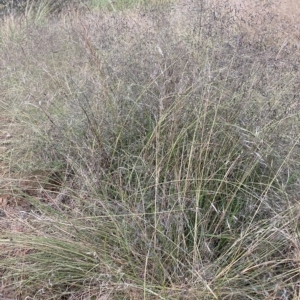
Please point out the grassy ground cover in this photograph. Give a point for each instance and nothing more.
(150, 152)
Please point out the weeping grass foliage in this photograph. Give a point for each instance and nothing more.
(159, 151)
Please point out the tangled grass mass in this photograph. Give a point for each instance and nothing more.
(150, 150)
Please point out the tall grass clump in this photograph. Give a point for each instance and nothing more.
(158, 149)
(35, 9)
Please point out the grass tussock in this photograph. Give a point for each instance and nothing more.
(157, 152)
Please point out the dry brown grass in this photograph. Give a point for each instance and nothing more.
(154, 153)
(281, 17)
